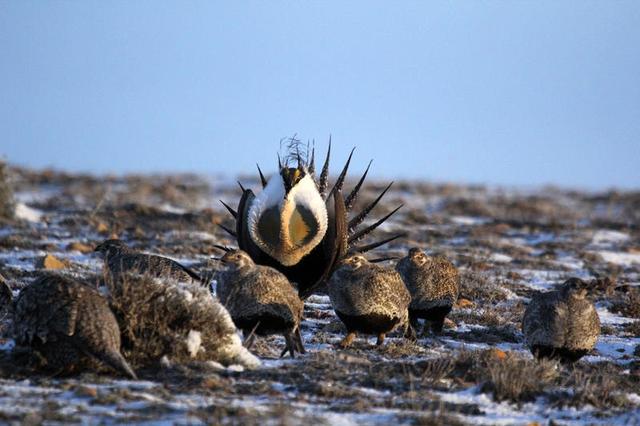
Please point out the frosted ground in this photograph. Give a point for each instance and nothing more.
(507, 243)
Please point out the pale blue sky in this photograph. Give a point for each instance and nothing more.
(509, 92)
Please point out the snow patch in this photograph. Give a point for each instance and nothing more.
(194, 342)
(468, 220)
(166, 207)
(620, 258)
(605, 236)
(25, 212)
(609, 318)
(196, 235)
(615, 348)
(500, 258)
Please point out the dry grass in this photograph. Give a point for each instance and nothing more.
(518, 379)
(600, 390)
(632, 328)
(505, 375)
(156, 319)
(477, 286)
(628, 304)
(7, 204)
(436, 370)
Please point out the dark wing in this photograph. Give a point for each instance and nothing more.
(333, 246)
(44, 308)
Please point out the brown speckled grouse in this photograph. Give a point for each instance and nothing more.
(562, 323)
(119, 258)
(368, 298)
(67, 322)
(433, 283)
(260, 298)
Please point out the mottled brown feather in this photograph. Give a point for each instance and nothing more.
(255, 293)
(360, 289)
(121, 259)
(432, 281)
(66, 321)
(563, 320)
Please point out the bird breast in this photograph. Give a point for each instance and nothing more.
(288, 225)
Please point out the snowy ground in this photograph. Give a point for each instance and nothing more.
(507, 244)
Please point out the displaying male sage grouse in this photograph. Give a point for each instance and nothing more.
(295, 227)
(260, 299)
(68, 323)
(369, 299)
(561, 324)
(119, 258)
(433, 283)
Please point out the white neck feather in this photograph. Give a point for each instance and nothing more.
(304, 193)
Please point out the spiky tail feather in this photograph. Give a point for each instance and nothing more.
(116, 361)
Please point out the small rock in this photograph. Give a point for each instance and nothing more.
(501, 228)
(78, 246)
(497, 354)
(165, 362)
(102, 228)
(464, 303)
(514, 276)
(448, 323)
(212, 383)
(89, 391)
(50, 262)
(235, 368)
(346, 358)
(214, 365)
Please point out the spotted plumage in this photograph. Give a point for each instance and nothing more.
(561, 324)
(260, 299)
(119, 258)
(433, 283)
(68, 323)
(368, 298)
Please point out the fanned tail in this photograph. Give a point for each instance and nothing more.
(348, 202)
(357, 220)
(357, 236)
(369, 247)
(324, 174)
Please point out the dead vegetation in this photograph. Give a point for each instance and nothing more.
(518, 379)
(596, 389)
(168, 319)
(477, 286)
(7, 203)
(628, 304)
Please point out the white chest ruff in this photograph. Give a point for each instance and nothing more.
(273, 215)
